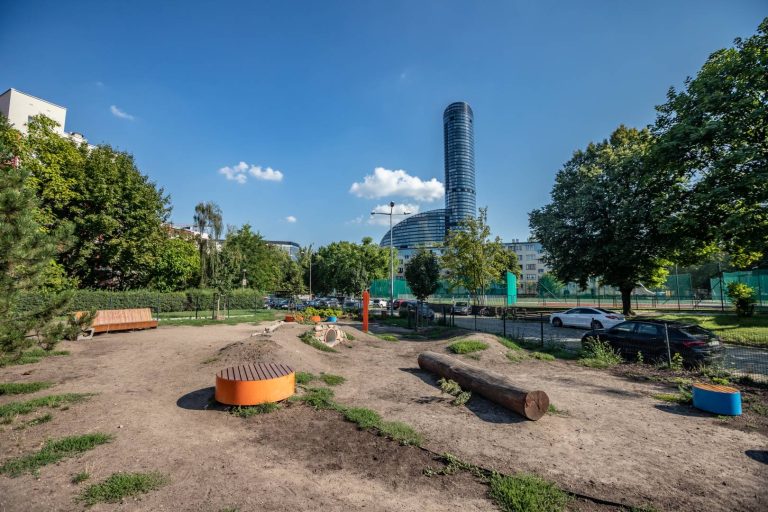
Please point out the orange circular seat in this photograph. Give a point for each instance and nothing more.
(255, 383)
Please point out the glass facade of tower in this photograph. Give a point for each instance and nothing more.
(422, 229)
(430, 228)
(459, 140)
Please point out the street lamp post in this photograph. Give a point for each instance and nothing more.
(391, 256)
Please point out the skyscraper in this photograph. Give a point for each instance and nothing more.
(430, 228)
(459, 143)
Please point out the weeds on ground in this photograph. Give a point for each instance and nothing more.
(12, 409)
(310, 340)
(349, 335)
(121, 485)
(80, 477)
(556, 350)
(677, 362)
(319, 398)
(54, 451)
(643, 508)
(682, 397)
(467, 346)
(363, 417)
(758, 408)
(452, 388)
(388, 337)
(332, 380)
(524, 491)
(552, 409)
(246, 411)
(516, 356)
(598, 354)
(543, 356)
(30, 356)
(304, 378)
(401, 432)
(35, 421)
(19, 388)
(211, 360)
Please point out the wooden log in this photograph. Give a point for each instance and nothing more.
(493, 386)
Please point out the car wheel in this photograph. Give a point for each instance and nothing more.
(557, 322)
(596, 325)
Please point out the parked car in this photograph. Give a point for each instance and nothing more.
(588, 318)
(460, 308)
(378, 303)
(396, 303)
(352, 304)
(408, 307)
(695, 344)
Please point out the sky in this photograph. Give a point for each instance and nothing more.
(301, 117)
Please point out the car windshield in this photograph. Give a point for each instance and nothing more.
(696, 331)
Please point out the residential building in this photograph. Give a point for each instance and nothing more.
(530, 256)
(20, 107)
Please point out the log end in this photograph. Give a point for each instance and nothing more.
(536, 405)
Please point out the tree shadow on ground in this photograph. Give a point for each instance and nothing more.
(479, 406)
(758, 455)
(201, 400)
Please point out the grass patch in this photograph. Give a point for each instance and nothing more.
(598, 354)
(683, 397)
(121, 485)
(467, 346)
(304, 377)
(543, 356)
(452, 388)
(53, 451)
(401, 432)
(516, 356)
(245, 316)
(80, 477)
(526, 492)
(30, 356)
(364, 418)
(12, 409)
(349, 335)
(247, 411)
(310, 340)
(19, 388)
(388, 337)
(319, 398)
(751, 330)
(552, 409)
(36, 421)
(758, 408)
(332, 380)
(211, 360)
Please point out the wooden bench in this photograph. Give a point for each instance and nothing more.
(110, 320)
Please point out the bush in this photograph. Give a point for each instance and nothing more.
(322, 312)
(743, 297)
(598, 354)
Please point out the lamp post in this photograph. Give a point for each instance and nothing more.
(391, 256)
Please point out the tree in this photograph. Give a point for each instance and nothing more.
(714, 135)
(177, 265)
(550, 286)
(422, 273)
(264, 265)
(26, 252)
(608, 214)
(472, 260)
(209, 224)
(743, 298)
(348, 268)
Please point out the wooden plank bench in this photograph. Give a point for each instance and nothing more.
(110, 320)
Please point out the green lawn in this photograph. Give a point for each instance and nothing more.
(236, 316)
(747, 331)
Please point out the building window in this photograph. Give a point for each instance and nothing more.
(530, 266)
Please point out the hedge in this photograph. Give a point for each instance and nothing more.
(84, 300)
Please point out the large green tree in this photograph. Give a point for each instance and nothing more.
(177, 265)
(422, 272)
(348, 268)
(264, 264)
(26, 253)
(608, 216)
(714, 135)
(209, 223)
(474, 260)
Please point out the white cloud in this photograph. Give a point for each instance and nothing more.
(384, 182)
(240, 172)
(356, 220)
(290, 219)
(398, 210)
(120, 113)
(266, 174)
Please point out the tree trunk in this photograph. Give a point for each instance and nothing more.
(626, 299)
(493, 386)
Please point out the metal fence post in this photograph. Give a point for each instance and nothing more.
(541, 321)
(475, 318)
(666, 337)
(504, 322)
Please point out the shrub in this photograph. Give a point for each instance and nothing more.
(743, 298)
(467, 346)
(598, 354)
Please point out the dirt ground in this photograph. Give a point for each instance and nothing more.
(154, 388)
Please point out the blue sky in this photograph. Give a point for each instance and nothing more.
(314, 96)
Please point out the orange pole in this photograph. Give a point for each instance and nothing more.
(366, 300)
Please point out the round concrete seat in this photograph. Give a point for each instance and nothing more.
(255, 383)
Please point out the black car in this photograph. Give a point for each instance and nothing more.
(695, 344)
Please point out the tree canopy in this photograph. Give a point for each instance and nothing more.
(348, 268)
(606, 217)
(422, 272)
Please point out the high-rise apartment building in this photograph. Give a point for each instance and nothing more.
(428, 229)
(20, 107)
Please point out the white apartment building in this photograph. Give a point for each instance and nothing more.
(20, 107)
(530, 255)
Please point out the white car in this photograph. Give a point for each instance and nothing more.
(588, 318)
(378, 303)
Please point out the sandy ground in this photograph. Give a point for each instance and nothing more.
(615, 442)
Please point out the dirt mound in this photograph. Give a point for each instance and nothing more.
(253, 349)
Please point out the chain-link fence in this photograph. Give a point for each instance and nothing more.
(534, 328)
